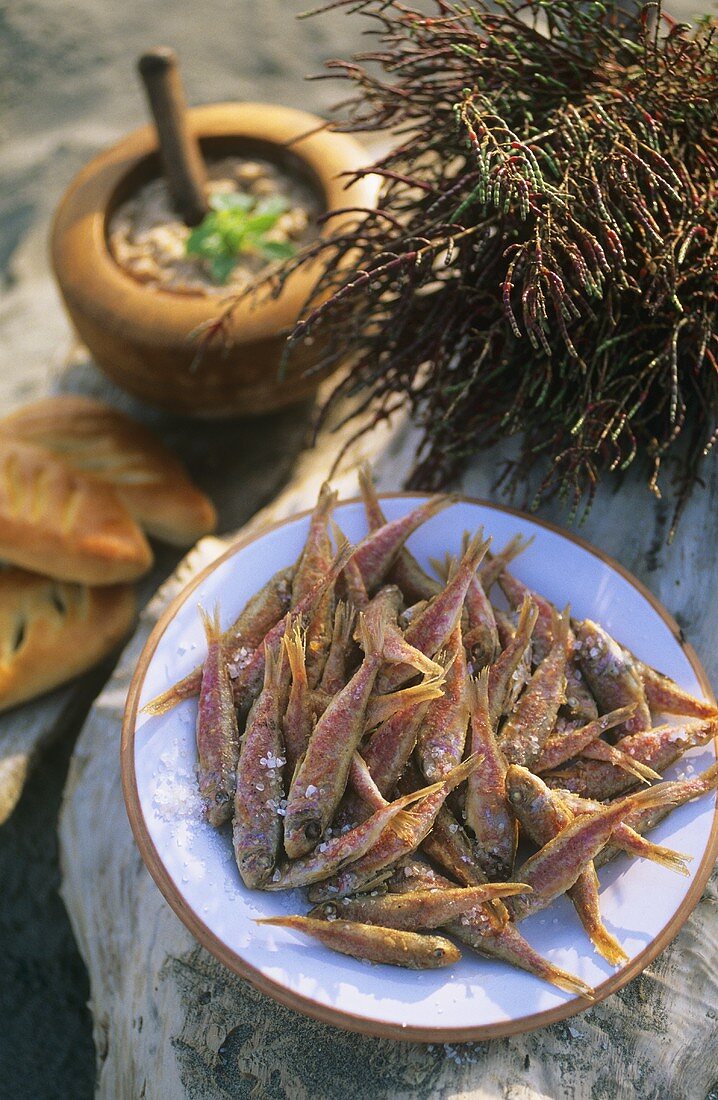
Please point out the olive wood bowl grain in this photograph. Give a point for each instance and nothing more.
(144, 338)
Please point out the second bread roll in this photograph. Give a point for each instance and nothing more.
(103, 443)
(55, 521)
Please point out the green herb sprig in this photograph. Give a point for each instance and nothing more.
(238, 224)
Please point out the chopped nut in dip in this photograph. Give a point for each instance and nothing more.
(150, 241)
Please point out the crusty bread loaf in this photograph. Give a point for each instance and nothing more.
(51, 631)
(56, 521)
(101, 442)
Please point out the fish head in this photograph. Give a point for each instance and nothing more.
(306, 823)
(217, 799)
(524, 789)
(256, 865)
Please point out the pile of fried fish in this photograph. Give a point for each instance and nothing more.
(383, 737)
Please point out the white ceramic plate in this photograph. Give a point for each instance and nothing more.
(643, 904)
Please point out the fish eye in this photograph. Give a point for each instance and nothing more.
(438, 952)
(221, 798)
(259, 860)
(516, 796)
(312, 830)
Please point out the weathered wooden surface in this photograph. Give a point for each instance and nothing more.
(171, 1021)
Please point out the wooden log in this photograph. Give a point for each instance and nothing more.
(171, 1021)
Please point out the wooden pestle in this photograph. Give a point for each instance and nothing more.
(181, 157)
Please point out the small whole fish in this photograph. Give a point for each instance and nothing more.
(373, 944)
(442, 736)
(316, 556)
(430, 630)
(487, 811)
(406, 572)
(262, 612)
(217, 733)
(477, 930)
(611, 675)
(313, 565)
(257, 829)
(511, 670)
(339, 851)
(656, 748)
(555, 868)
(298, 721)
(398, 839)
(377, 552)
(321, 776)
(543, 814)
(564, 746)
(482, 635)
(421, 909)
(531, 722)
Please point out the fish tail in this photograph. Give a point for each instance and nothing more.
(500, 561)
(282, 922)
(502, 889)
(478, 692)
(616, 717)
(294, 642)
(562, 627)
(404, 824)
(345, 550)
(653, 798)
(273, 663)
(442, 566)
(416, 796)
(431, 687)
(461, 772)
(607, 945)
(212, 629)
(184, 689)
(514, 547)
(476, 550)
(326, 500)
(370, 634)
(436, 504)
(343, 623)
(370, 498)
(339, 537)
(600, 750)
(527, 618)
(666, 857)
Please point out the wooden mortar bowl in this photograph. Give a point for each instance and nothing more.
(141, 336)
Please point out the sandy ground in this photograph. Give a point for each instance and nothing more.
(67, 88)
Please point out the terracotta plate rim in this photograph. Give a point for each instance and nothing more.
(337, 1017)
